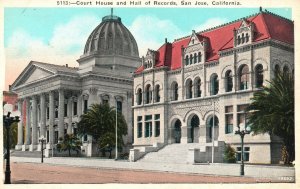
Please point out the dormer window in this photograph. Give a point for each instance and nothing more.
(194, 52)
(244, 34)
(149, 60)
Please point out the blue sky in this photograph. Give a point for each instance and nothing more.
(58, 35)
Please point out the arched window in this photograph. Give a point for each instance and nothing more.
(199, 57)
(139, 96)
(239, 40)
(195, 58)
(247, 37)
(228, 81)
(244, 77)
(259, 76)
(189, 89)
(243, 38)
(191, 59)
(214, 85)
(277, 69)
(286, 70)
(157, 93)
(174, 89)
(148, 94)
(197, 87)
(186, 60)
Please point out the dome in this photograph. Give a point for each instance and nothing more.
(111, 37)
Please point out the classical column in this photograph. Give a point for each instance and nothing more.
(79, 106)
(92, 96)
(70, 101)
(51, 117)
(20, 124)
(27, 131)
(43, 115)
(34, 121)
(61, 112)
(184, 134)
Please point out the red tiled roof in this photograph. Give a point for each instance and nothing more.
(267, 25)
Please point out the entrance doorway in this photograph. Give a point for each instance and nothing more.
(213, 124)
(177, 131)
(194, 128)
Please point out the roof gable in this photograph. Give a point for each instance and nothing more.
(30, 74)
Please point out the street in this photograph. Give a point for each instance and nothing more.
(36, 173)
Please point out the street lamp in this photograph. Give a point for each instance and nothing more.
(42, 139)
(242, 130)
(9, 117)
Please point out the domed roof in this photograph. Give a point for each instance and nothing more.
(111, 37)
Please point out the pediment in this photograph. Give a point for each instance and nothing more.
(244, 24)
(30, 74)
(37, 74)
(194, 40)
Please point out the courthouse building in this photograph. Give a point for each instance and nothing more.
(57, 95)
(207, 79)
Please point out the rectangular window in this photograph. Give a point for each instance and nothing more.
(56, 112)
(47, 136)
(148, 125)
(119, 106)
(66, 110)
(55, 137)
(228, 119)
(74, 108)
(75, 131)
(85, 106)
(65, 131)
(246, 153)
(157, 125)
(85, 138)
(241, 115)
(139, 126)
(47, 112)
(229, 124)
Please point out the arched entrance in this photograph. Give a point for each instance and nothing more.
(209, 127)
(177, 131)
(193, 129)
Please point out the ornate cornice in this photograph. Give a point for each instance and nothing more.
(265, 43)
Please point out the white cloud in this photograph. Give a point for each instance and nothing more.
(150, 32)
(65, 46)
(212, 22)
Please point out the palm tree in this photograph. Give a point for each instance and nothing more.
(70, 142)
(99, 122)
(272, 111)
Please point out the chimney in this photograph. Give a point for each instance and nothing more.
(166, 40)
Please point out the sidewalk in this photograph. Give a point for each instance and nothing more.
(258, 171)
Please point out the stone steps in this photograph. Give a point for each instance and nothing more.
(26, 153)
(173, 153)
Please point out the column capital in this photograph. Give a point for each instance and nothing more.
(93, 90)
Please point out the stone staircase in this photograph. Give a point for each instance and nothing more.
(36, 154)
(172, 153)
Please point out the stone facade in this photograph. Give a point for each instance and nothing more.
(56, 96)
(176, 102)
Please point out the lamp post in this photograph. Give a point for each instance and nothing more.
(9, 117)
(242, 131)
(116, 155)
(42, 140)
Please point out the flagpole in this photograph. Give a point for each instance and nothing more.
(213, 138)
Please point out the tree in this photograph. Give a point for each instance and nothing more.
(272, 111)
(229, 154)
(13, 135)
(99, 122)
(70, 142)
